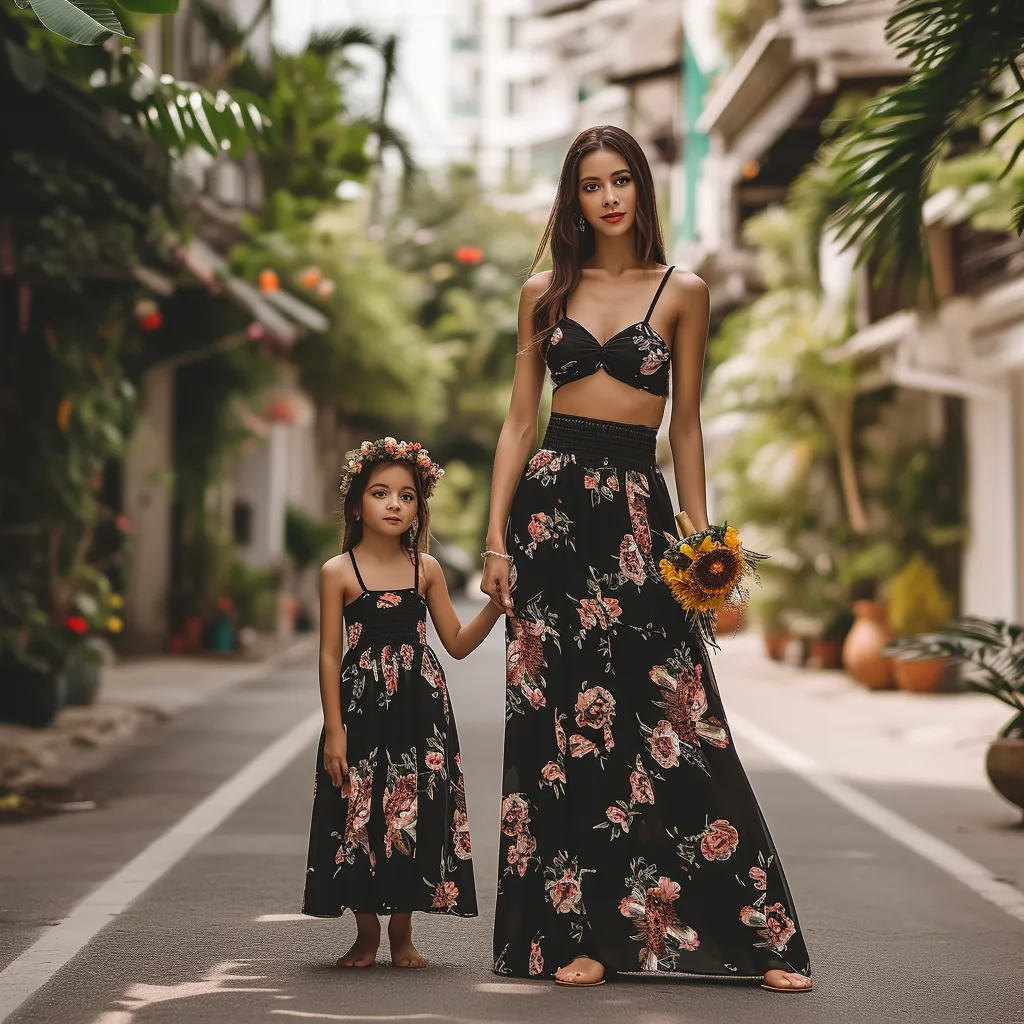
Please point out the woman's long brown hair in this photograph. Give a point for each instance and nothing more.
(571, 247)
(416, 538)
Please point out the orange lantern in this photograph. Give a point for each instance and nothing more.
(268, 281)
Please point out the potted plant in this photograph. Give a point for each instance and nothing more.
(992, 652)
(826, 649)
(99, 607)
(770, 611)
(918, 604)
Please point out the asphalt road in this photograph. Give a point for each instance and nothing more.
(211, 933)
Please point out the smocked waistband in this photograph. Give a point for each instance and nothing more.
(602, 441)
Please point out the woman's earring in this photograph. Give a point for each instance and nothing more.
(583, 225)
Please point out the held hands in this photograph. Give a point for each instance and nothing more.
(336, 757)
(496, 579)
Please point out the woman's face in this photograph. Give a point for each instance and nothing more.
(389, 502)
(606, 192)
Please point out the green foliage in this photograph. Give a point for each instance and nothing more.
(84, 21)
(253, 593)
(374, 365)
(958, 51)
(308, 540)
(917, 601)
(992, 650)
(738, 21)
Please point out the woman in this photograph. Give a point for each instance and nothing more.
(630, 838)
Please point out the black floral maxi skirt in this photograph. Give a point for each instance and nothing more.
(629, 831)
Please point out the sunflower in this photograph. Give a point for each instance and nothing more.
(684, 588)
(717, 569)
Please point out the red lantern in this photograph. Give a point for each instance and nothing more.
(268, 281)
(469, 255)
(76, 624)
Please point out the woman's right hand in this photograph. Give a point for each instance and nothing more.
(496, 582)
(336, 756)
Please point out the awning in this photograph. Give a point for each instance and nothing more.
(282, 316)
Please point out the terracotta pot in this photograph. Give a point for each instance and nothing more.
(862, 650)
(1005, 766)
(728, 621)
(194, 627)
(919, 676)
(823, 653)
(775, 644)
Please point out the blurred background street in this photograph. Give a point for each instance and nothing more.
(237, 237)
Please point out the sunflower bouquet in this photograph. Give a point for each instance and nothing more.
(705, 572)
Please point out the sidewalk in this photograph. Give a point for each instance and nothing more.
(864, 736)
(135, 696)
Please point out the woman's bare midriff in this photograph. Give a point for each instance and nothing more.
(602, 397)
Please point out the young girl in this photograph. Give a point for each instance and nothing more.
(389, 832)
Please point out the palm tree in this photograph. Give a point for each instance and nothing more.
(961, 53)
(386, 136)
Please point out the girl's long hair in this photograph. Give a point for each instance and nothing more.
(571, 247)
(416, 538)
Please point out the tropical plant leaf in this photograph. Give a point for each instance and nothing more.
(85, 21)
(956, 50)
(149, 6)
(327, 44)
(219, 25)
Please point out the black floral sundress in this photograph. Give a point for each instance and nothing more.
(394, 838)
(629, 831)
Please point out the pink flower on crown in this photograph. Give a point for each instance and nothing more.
(366, 447)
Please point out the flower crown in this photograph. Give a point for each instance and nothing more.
(387, 449)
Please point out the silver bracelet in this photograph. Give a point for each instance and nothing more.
(500, 554)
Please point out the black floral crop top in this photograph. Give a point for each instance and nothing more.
(637, 355)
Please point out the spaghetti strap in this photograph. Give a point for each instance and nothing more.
(657, 294)
(352, 555)
(416, 563)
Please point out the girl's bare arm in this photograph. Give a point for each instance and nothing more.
(517, 438)
(684, 430)
(458, 640)
(332, 597)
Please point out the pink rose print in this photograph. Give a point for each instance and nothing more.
(460, 826)
(388, 600)
(772, 924)
(720, 842)
(590, 482)
(556, 336)
(613, 482)
(421, 631)
(580, 746)
(759, 878)
(434, 760)
(566, 893)
(407, 655)
(664, 744)
(515, 814)
(536, 958)
(446, 895)
(519, 854)
(640, 784)
(616, 815)
(354, 632)
(553, 772)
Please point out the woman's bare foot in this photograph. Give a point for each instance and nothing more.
(787, 981)
(364, 950)
(403, 952)
(582, 971)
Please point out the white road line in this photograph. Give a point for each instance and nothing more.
(284, 917)
(448, 1019)
(946, 858)
(41, 961)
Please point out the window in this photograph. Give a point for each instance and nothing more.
(242, 523)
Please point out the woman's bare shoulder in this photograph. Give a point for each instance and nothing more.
(337, 569)
(536, 285)
(687, 293)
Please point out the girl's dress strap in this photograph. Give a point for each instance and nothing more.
(416, 563)
(352, 555)
(657, 294)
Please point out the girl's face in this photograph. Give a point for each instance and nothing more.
(389, 502)
(607, 194)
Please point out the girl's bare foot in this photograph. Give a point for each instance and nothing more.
(403, 952)
(786, 981)
(582, 971)
(364, 950)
